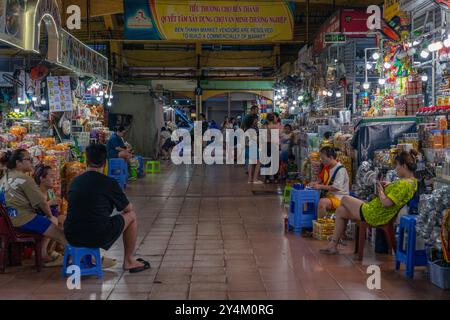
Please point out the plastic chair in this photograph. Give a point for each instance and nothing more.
(298, 217)
(118, 170)
(82, 257)
(153, 167)
(12, 236)
(360, 236)
(410, 257)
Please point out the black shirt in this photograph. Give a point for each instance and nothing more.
(92, 198)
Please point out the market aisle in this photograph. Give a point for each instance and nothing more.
(208, 236)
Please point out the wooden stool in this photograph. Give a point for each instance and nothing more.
(360, 236)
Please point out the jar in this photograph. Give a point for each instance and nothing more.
(438, 139)
(442, 123)
(447, 138)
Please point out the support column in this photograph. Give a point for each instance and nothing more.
(229, 104)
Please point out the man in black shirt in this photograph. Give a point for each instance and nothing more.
(92, 198)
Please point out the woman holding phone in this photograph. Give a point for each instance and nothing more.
(391, 198)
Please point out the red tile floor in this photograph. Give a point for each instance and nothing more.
(208, 236)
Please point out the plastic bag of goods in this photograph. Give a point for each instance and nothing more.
(25, 145)
(37, 152)
(72, 170)
(32, 137)
(47, 142)
(18, 131)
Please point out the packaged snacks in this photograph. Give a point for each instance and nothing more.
(18, 131)
(47, 142)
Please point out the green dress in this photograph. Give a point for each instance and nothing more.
(400, 192)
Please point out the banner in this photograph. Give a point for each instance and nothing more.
(80, 58)
(208, 21)
(59, 94)
(12, 13)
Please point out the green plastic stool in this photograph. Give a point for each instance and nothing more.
(152, 167)
(287, 194)
(133, 173)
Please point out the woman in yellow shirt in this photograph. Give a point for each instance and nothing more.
(390, 200)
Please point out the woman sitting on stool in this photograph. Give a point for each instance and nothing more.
(390, 200)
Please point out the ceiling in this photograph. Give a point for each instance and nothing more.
(164, 60)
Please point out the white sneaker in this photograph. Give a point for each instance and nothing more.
(258, 182)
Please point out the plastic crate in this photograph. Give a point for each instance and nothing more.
(439, 276)
(322, 230)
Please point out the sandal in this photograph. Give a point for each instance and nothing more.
(146, 265)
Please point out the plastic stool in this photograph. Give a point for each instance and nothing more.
(118, 170)
(86, 266)
(298, 217)
(287, 194)
(153, 167)
(410, 257)
(360, 236)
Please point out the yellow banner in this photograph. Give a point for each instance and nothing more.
(209, 21)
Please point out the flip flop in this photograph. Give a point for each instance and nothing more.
(142, 268)
(328, 252)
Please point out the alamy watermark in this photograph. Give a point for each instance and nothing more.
(251, 146)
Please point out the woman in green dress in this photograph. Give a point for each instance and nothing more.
(391, 198)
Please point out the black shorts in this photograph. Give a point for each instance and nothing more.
(361, 215)
(98, 239)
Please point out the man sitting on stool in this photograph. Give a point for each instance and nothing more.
(337, 183)
(117, 147)
(92, 198)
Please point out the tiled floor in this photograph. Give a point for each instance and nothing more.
(208, 236)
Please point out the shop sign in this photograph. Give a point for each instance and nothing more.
(334, 38)
(80, 58)
(12, 21)
(59, 94)
(208, 21)
(354, 21)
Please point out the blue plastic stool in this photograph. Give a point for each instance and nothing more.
(410, 257)
(298, 217)
(86, 266)
(141, 166)
(118, 170)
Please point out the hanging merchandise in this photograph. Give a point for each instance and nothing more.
(432, 208)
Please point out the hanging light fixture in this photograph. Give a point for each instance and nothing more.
(111, 96)
(376, 56)
(324, 92)
(109, 103)
(300, 98)
(101, 93)
(330, 93)
(366, 85)
(435, 46)
(106, 95)
(424, 77)
(34, 99)
(43, 101)
(98, 98)
(369, 66)
(387, 65)
(425, 54)
(381, 81)
(338, 94)
(294, 102)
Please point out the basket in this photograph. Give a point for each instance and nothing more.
(322, 229)
(439, 276)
